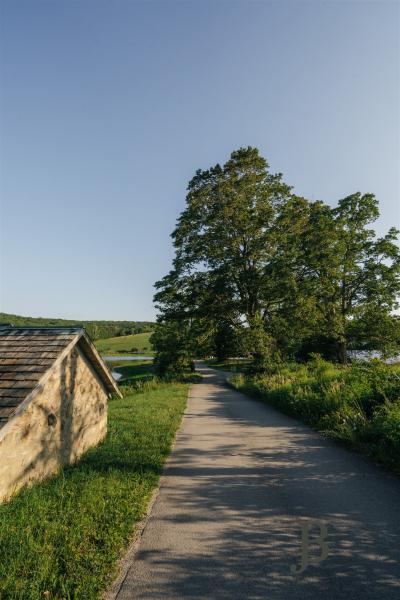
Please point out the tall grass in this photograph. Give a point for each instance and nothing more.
(357, 404)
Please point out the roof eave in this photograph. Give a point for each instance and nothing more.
(103, 371)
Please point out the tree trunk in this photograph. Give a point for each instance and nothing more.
(342, 351)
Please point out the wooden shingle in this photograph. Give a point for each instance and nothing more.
(27, 353)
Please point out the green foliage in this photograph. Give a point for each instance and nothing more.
(173, 349)
(265, 273)
(222, 241)
(359, 405)
(95, 329)
(384, 433)
(351, 274)
(375, 329)
(227, 341)
(62, 538)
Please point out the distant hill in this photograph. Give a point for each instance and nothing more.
(96, 329)
(126, 344)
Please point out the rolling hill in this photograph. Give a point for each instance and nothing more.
(126, 344)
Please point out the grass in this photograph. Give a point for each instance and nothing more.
(126, 344)
(358, 405)
(61, 538)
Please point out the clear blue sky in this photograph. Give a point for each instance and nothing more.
(108, 108)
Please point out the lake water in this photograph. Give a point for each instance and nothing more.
(369, 354)
(117, 376)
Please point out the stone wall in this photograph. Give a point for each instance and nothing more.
(65, 417)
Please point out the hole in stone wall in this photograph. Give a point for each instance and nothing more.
(51, 419)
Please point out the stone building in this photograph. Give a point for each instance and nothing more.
(54, 390)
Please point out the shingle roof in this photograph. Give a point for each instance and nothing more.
(27, 353)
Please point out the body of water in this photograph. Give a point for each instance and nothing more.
(369, 354)
(117, 376)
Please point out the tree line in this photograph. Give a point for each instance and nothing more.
(262, 272)
(95, 329)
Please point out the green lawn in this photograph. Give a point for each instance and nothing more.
(61, 538)
(125, 344)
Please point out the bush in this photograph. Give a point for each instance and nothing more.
(386, 423)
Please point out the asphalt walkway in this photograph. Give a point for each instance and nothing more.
(254, 505)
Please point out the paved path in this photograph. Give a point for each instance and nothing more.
(241, 481)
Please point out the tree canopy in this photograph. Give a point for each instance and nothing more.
(259, 271)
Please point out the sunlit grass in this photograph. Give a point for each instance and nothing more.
(61, 538)
(126, 344)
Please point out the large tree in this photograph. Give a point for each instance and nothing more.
(350, 273)
(227, 230)
(259, 270)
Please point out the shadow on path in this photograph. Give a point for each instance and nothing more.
(241, 481)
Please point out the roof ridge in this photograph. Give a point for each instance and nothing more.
(13, 330)
(11, 326)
